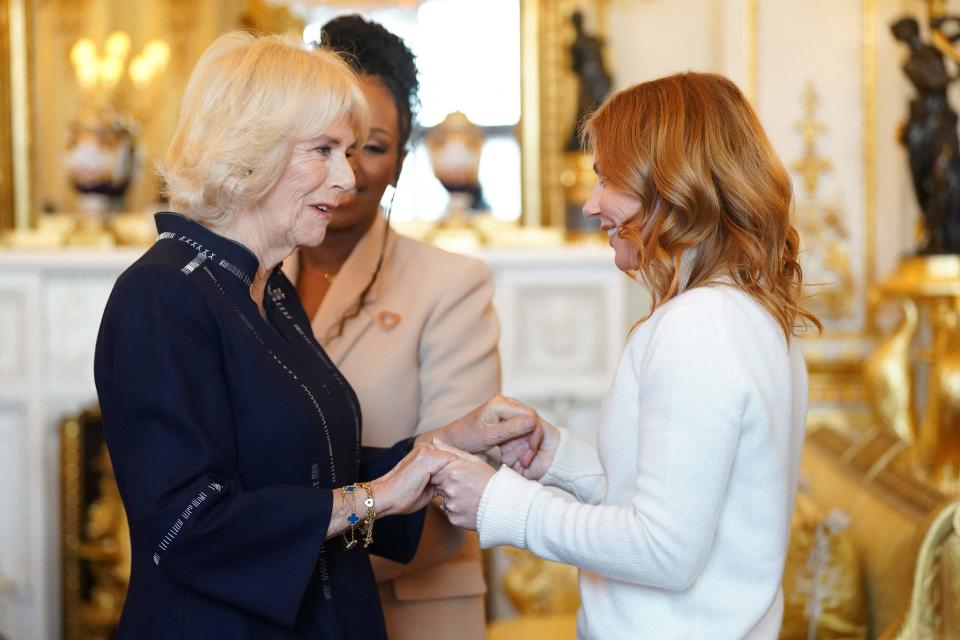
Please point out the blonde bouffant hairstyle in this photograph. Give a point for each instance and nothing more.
(694, 153)
(249, 99)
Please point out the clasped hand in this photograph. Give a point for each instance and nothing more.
(527, 445)
(442, 462)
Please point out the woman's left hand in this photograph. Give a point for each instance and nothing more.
(406, 487)
(460, 485)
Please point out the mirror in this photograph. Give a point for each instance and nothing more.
(112, 70)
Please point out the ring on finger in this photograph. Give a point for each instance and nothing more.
(443, 504)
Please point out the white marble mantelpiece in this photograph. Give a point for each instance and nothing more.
(564, 314)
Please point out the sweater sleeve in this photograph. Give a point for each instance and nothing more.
(459, 362)
(168, 422)
(658, 534)
(576, 469)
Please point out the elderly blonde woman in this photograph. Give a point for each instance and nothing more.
(235, 440)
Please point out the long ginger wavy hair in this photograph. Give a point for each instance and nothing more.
(694, 153)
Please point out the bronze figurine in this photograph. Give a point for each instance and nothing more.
(930, 136)
(592, 77)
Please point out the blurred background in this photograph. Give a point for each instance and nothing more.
(858, 97)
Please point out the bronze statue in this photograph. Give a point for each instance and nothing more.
(594, 80)
(930, 136)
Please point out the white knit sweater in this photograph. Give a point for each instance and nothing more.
(682, 510)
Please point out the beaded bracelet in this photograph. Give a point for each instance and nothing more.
(365, 523)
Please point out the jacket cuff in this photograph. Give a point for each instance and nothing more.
(574, 459)
(503, 510)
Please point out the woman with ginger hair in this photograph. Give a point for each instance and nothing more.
(683, 507)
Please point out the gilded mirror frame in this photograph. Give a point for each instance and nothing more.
(547, 95)
(15, 158)
(6, 143)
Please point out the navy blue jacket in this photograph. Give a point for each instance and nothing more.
(227, 433)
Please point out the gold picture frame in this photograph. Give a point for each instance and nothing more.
(15, 160)
(548, 102)
(12, 19)
(6, 143)
(549, 93)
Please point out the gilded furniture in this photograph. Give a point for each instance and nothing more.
(906, 533)
(543, 593)
(888, 377)
(95, 538)
(927, 290)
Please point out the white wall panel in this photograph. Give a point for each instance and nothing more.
(819, 42)
(14, 524)
(650, 39)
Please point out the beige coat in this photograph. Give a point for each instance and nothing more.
(422, 351)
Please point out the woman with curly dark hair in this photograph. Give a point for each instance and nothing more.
(422, 315)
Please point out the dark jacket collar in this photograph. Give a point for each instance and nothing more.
(229, 254)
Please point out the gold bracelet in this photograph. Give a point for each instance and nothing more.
(352, 519)
(367, 526)
(365, 523)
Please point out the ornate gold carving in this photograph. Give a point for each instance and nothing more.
(826, 259)
(887, 375)
(95, 533)
(924, 618)
(932, 283)
(938, 444)
(810, 166)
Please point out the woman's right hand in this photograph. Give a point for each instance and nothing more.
(532, 462)
(403, 489)
(497, 420)
(406, 488)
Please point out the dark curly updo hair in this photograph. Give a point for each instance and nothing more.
(372, 50)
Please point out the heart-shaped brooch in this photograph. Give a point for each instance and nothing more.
(388, 319)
